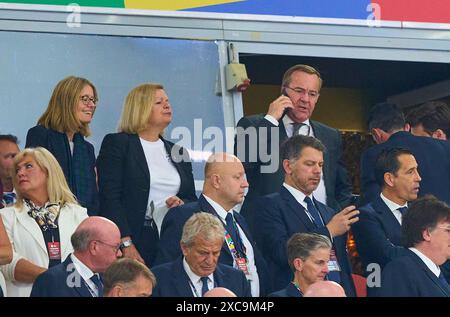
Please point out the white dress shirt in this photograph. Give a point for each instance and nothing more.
(393, 207)
(430, 264)
(196, 281)
(254, 278)
(300, 198)
(85, 274)
(320, 193)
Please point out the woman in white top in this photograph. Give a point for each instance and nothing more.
(5, 255)
(141, 175)
(41, 222)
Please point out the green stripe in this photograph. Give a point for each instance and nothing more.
(83, 3)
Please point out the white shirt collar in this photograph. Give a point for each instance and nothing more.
(195, 279)
(391, 205)
(288, 121)
(218, 208)
(84, 271)
(298, 195)
(430, 264)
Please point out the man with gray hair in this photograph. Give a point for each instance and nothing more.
(308, 257)
(198, 270)
(128, 278)
(96, 244)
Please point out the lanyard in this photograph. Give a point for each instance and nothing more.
(298, 288)
(195, 289)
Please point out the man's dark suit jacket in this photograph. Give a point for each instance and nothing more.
(173, 281)
(79, 167)
(377, 234)
(289, 291)
(124, 180)
(280, 216)
(408, 276)
(432, 156)
(172, 229)
(337, 182)
(54, 282)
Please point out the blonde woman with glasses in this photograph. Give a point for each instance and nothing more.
(62, 130)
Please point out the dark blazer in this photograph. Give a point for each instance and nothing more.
(280, 216)
(79, 167)
(54, 282)
(432, 156)
(289, 291)
(408, 276)
(173, 281)
(337, 182)
(172, 228)
(377, 234)
(124, 180)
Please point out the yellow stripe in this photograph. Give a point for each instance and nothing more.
(172, 5)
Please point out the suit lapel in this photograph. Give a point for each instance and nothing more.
(64, 233)
(318, 134)
(205, 206)
(74, 276)
(283, 134)
(324, 213)
(31, 226)
(136, 151)
(428, 272)
(168, 148)
(241, 222)
(181, 279)
(296, 209)
(392, 226)
(219, 277)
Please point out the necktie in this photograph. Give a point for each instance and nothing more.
(98, 283)
(297, 126)
(313, 212)
(205, 287)
(232, 230)
(9, 198)
(403, 210)
(444, 283)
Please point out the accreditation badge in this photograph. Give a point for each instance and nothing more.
(54, 250)
(242, 265)
(333, 264)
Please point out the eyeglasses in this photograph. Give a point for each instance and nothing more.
(114, 247)
(445, 228)
(312, 94)
(86, 99)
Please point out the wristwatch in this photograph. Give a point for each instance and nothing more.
(126, 243)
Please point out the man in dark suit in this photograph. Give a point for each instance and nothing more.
(308, 256)
(8, 150)
(378, 231)
(259, 137)
(388, 128)
(294, 209)
(198, 270)
(96, 244)
(425, 232)
(223, 189)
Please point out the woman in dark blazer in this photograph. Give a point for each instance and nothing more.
(141, 175)
(62, 130)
